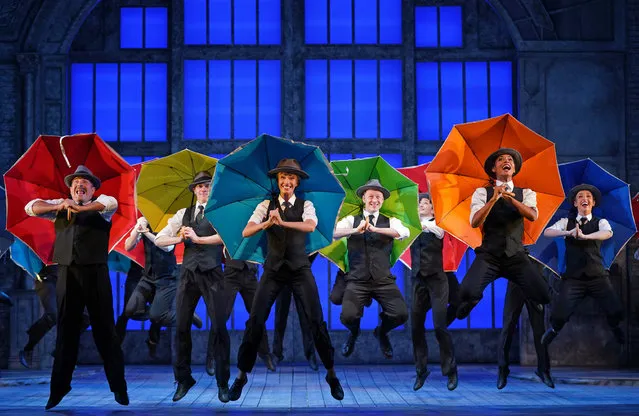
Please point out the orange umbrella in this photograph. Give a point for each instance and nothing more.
(458, 169)
(454, 249)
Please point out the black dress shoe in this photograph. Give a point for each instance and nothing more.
(420, 379)
(223, 393)
(197, 321)
(548, 337)
(349, 345)
(336, 388)
(153, 348)
(268, 361)
(183, 388)
(26, 358)
(312, 362)
(384, 343)
(502, 377)
(210, 366)
(545, 378)
(55, 398)
(235, 392)
(452, 380)
(121, 397)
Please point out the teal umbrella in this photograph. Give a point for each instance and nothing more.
(241, 182)
(118, 262)
(25, 258)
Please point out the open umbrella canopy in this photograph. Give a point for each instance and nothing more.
(401, 204)
(241, 182)
(454, 249)
(25, 258)
(615, 206)
(163, 185)
(5, 237)
(458, 169)
(118, 262)
(40, 173)
(635, 208)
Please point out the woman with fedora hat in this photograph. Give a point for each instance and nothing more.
(370, 238)
(287, 220)
(82, 225)
(501, 209)
(585, 273)
(201, 276)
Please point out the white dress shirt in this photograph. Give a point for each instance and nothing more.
(395, 224)
(479, 198)
(175, 222)
(562, 224)
(110, 206)
(429, 226)
(262, 210)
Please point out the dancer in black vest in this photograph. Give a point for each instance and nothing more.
(430, 289)
(500, 211)
(514, 302)
(82, 225)
(286, 219)
(585, 274)
(370, 242)
(44, 286)
(282, 306)
(157, 286)
(201, 276)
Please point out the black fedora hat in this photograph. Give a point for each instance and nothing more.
(200, 177)
(373, 184)
(489, 164)
(596, 193)
(83, 172)
(288, 166)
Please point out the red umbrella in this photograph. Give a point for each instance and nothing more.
(40, 172)
(454, 249)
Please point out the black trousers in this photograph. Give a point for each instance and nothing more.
(89, 286)
(513, 305)
(453, 297)
(243, 282)
(573, 291)
(282, 307)
(192, 286)
(304, 288)
(518, 268)
(431, 291)
(339, 288)
(359, 294)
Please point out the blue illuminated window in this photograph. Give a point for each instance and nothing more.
(456, 92)
(120, 102)
(232, 22)
(438, 27)
(143, 27)
(353, 21)
(226, 99)
(359, 99)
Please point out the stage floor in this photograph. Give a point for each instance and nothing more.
(378, 389)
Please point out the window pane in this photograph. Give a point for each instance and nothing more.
(316, 101)
(131, 27)
(341, 21)
(244, 96)
(244, 19)
(335, 323)
(452, 96)
(316, 26)
(194, 100)
(269, 109)
(476, 91)
(156, 27)
(426, 27)
(399, 270)
(500, 293)
(155, 102)
(365, 21)
(450, 27)
(131, 102)
(269, 22)
(501, 92)
(482, 315)
(81, 98)
(195, 22)
(220, 82)
(390, 21)
(424, 159)
(390, 99)
(341, 102)
(427, 97)
(106, 101)
(395, 160)
(365, 99)
(219, 22)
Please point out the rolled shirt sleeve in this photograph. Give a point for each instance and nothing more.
(604, 225)
(309, 212)
(173, 226)
(401, 229)
(477, 202)
(260, 212)
(529, 198)
(431, 227)
(110, 206)
(345, 223)
(559, 225)
(49, 215)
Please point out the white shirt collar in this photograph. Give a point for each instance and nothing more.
(197, 205)
(424, 219)
(366, 214)
(291, 200)
(588, 217)
(510, 184)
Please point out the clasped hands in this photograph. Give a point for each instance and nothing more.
(274, 218)
(576, 233)
(187, 233)
(501, 192)
(70, 206)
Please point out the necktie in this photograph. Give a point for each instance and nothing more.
(200, 213)
(583, 221)
(508, 188)
(286, 205)
(371, 220)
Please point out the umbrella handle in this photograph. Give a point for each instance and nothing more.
(342, 174)
(66, 159)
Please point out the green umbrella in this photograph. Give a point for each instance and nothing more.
(402, 203)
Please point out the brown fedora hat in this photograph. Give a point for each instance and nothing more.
(289, 166)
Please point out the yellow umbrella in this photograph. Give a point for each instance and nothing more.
(163, 185)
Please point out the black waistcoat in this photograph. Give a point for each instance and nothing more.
(82, 240)
(426, 254)
(284, 244)
(157, 262)
(200, 256)
(503, 229)
(583, 257)
(369, 253)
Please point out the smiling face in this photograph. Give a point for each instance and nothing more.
(373, 200)
(81, 190)
(425, 208)
(504, 168)
(201, 191)
(584, 202)
(287, 182)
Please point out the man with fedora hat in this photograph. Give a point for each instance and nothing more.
(287, 220)
(430, 289)
(585, 273)
(201, 276)
(370, 242)
(500, 211)
(82, 225)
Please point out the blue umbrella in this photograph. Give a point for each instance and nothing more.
(615, 207)
(6, 238)
(23, 256)
(118, 262)
(241, 182)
